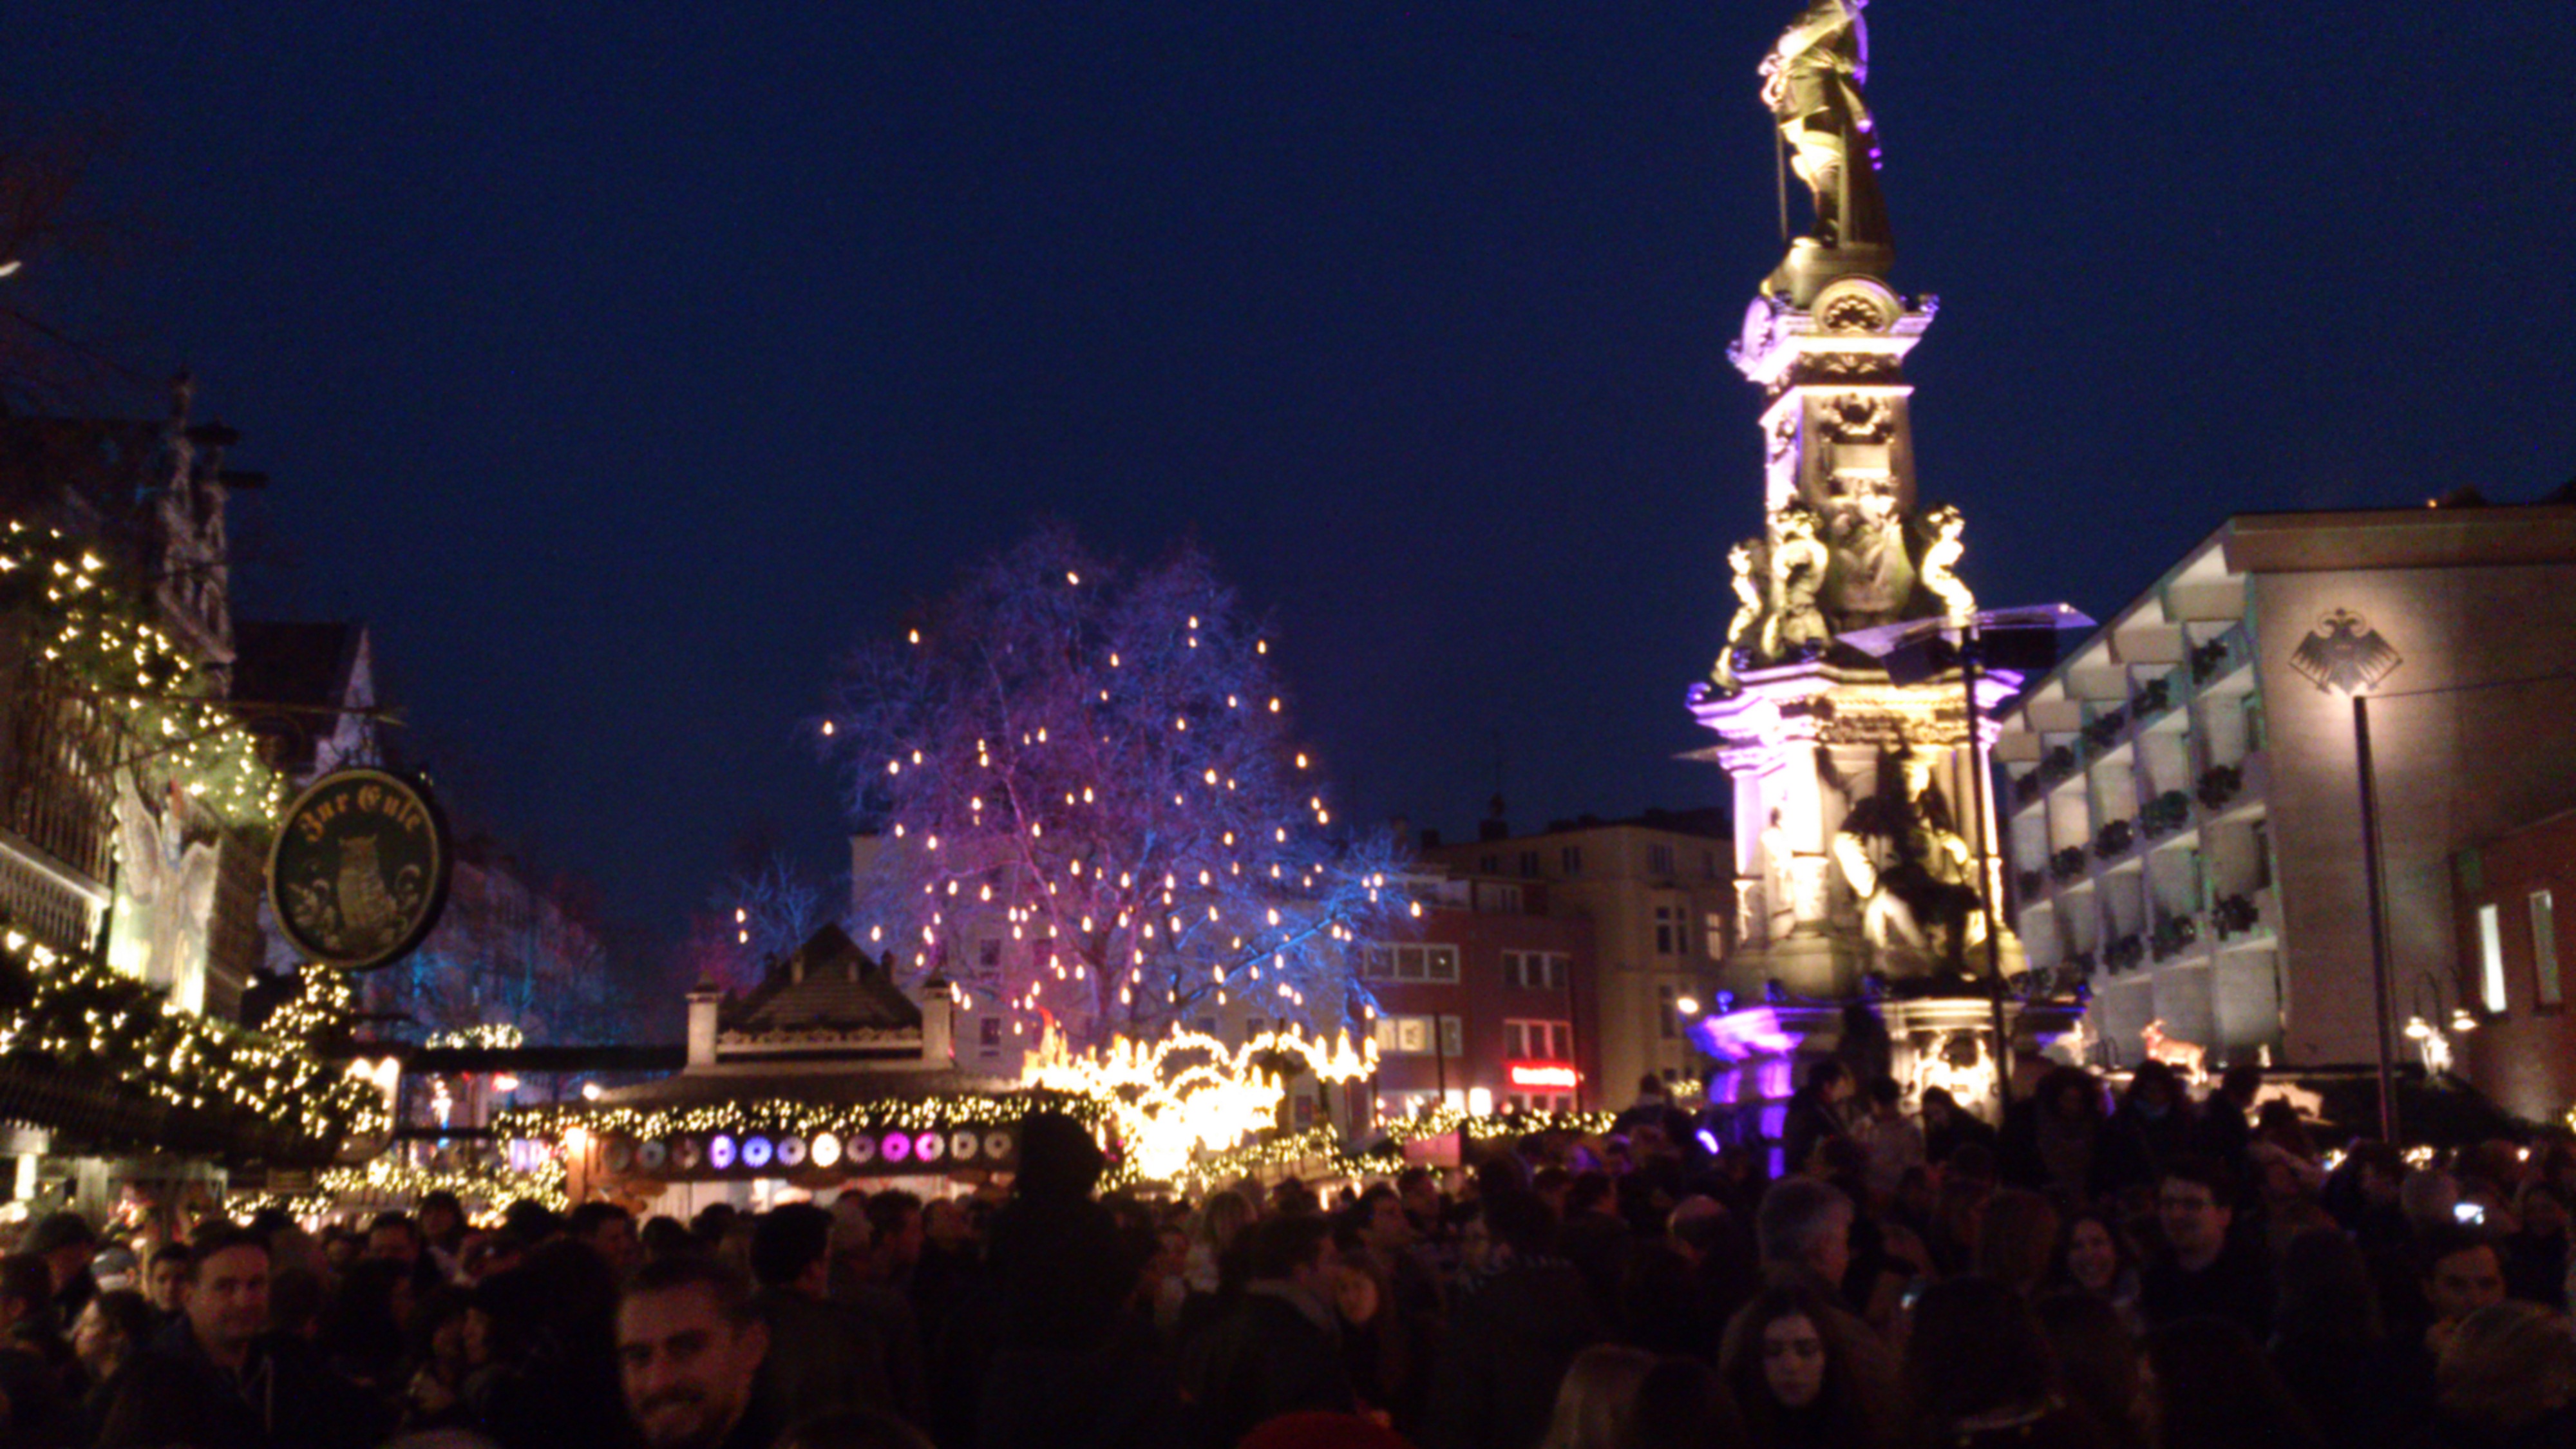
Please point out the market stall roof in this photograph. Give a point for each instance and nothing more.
(715, 1086)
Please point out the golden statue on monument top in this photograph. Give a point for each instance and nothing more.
(1811, 81)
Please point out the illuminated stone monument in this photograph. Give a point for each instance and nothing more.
(1862, 819)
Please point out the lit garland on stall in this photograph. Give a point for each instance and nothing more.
(1188, 1093)
(1443, 1120)
(157, 692)
(778, 1117)
(78, 1013)
(388, 1182)
(483, 1036)
(321, 1009)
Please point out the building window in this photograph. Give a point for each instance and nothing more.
(1535, 970)
(1668, 1016)
(988, 953)
(1668, 929)
(1529, 863)
(1538, 1041)
(2544, 948)
(1708, 864)
(1411, 963)
(1659, 859)
(1491, 865)
(1570, 859)
(1254, 1026)
(2491, 958)
(1207, 1026)
(988, 1036)
(1411, 1036)
(1713, 934)
(1453, 1037)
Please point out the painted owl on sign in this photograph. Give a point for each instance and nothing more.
(2343, 652)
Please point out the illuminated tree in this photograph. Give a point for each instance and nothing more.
(1090, 806)
(757, 915)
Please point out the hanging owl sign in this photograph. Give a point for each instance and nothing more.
(359, 872)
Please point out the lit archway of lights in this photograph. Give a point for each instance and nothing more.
(1189, 1092)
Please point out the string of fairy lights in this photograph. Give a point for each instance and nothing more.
(78, 1013)
(1099, 823)
(102, 638)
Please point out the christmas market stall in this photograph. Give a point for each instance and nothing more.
(824, 1076)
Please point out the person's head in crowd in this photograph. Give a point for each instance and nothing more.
(365, 1320)
(1475, 1239)
(2016, 1238)
(1501, 1170)
(947, 1226)
(1590, 1192)
(1886, 1098)
(2277, 1122)
(2326, 1293)
(2097, 1360)
(165, 1277)
(26, 1290)
(2463, 1272)
(2071, 1095)
(1384, 1226)
(1419, 1187)
(1519, 1226)
(2195, 1205)
(2154, 1093)
(1295, 1249)
(530, 1221)
(1552, 1183)
(298, 1296)
(894, 1229)
(2240, 1084)
(2504, 1368)
(1596, 1400)
(110, 1328)
(608, 1230)
(395, 1237)
(1803, 1226)
(485, 1254)
(853, 1429)
(663, 1236)
(435, 1339)
(2541, 1207)
(226, 1301)
(66, 1242)
(1938, 1107)
(442, 1219)
(1842, 1162)
(1699, 1225)
(2430, 1199)
(1829, 1081)
(2094, 1255)
(2203, 1383)
(689, 1346)
(1681, 1403)
(1790, 1368)
(1223, 1217)
(340, 1248)
(1975, 1353)
(791, 1250)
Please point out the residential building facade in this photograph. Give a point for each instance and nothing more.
(1657, 896)
(1490, 1008)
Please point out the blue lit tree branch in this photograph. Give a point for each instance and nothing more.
(1092, 808)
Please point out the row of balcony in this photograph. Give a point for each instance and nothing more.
(2233, 918)
(2152, 700)
(2164, 816)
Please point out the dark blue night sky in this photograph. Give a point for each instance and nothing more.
(621, 367)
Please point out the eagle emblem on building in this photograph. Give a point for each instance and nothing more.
(2343, 652)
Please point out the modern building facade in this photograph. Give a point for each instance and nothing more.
(1656, 896)
(2183, 794)
(2512, 900)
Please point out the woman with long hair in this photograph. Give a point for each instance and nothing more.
(1597, 1398)
(1796, 1366)
(2097, 1259)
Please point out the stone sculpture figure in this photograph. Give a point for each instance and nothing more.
(1871, 574)
(1811, 80)
(1780, 878)
(1798, 565)
(1745, 559)
(1912, 874)
(1941, 564)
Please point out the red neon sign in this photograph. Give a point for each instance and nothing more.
(1556, 1076)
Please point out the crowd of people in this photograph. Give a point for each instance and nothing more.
(2150, 1272)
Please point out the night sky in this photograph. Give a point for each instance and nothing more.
(622, 368)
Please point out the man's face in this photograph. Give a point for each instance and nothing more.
(2192, 1220)
(1317, 1277)
(687, 1369)
(616, 1240)
(1389, 1229)
(394, 1241)
(2464, 1282)
(165, 1282)
(1422, 1199)
(438, 1219)
(227, 1302)
(946, 1224)
(1832, 1259)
